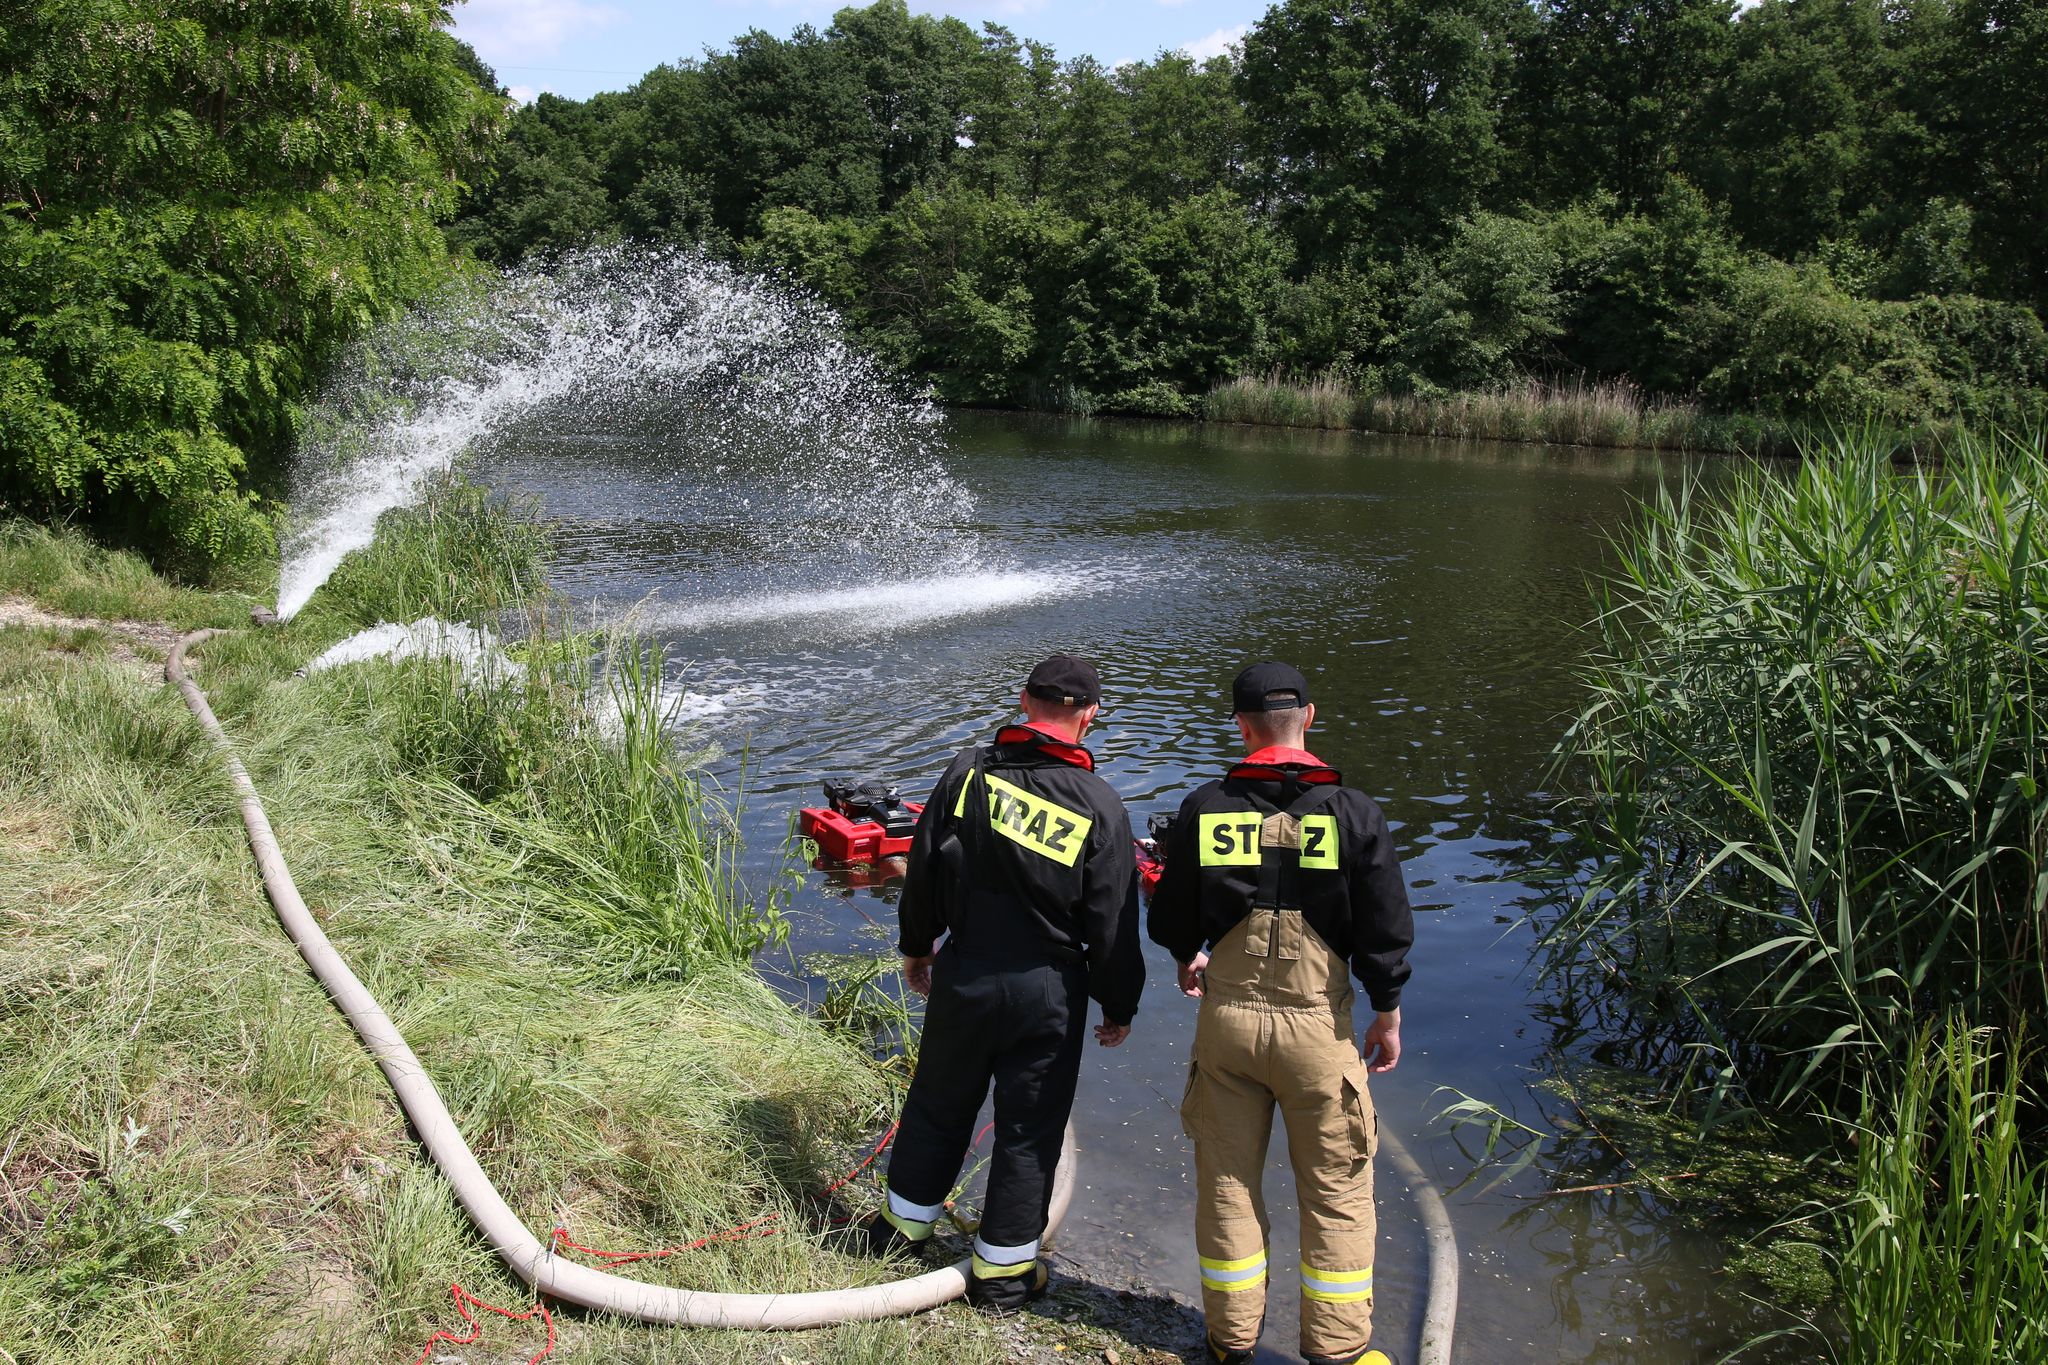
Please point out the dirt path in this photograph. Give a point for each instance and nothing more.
(142, 646)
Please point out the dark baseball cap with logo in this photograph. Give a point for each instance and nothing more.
(1066, 680)
(1269, 687)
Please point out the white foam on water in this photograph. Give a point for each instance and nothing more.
(754, 378)
(886, 606)
(476, 650)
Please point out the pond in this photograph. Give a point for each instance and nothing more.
(1430, 591)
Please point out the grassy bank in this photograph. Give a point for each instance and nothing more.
(1601, 414)
(198, 1162)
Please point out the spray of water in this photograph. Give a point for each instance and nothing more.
(745, 373)
(891, 604)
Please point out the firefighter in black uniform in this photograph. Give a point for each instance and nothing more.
(1023, 860)
(1290, 881)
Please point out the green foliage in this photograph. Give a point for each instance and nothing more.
(197, 205)
(1810, 806)
(1479, 313)
(1608, 95)
(1375, 121)
(1808, 212)
(1945, 1242)
(548, 191)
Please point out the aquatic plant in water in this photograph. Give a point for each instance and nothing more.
(1808, 798)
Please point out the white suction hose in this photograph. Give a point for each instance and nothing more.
(528, 1257)
(1440, 1311)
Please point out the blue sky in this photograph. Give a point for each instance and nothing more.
(578, 47)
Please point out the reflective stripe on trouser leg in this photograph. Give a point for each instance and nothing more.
(1336, 1286)
(1229, 1115)
(1228, 1277)
(912, 1220)
(1000, 1263)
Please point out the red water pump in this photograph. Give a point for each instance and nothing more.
(861, 822)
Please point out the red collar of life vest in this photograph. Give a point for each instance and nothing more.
(1278, 763)
(1049, 745)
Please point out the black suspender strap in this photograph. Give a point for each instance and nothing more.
(1271, 861)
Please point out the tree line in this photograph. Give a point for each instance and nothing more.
(1808, 208)
(1820, 209)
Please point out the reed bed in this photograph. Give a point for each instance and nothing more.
(1944, 1248)
(1809, 797)
(1612, 413)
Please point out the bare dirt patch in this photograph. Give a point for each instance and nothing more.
(140, 645)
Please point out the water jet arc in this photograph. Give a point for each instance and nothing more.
(525, 1254)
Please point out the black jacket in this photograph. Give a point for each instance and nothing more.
(1352, 892)
(1024, 853)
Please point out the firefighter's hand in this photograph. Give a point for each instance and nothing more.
(917, 973)
(1191, 980)
(1382, 1046)
(1109, 1035)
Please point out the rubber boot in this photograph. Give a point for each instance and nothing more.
(1365, 1357)
(882, 1238)
(1008, 1294)
(1224, 1355)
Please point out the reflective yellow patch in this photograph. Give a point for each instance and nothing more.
(1326, 1296)
(988, 1270)
(1241, 1263)
(1230, 839)
(1029, 820)
(1319, 842)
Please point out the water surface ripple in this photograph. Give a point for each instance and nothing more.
(1431, 593)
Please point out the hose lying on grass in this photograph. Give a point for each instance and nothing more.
(534, 1262)
(528, 1257)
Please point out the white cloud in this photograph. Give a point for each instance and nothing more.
(508, 32)
(1217, 43)
(521, 94)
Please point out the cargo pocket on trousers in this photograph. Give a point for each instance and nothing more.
(1191, 1102)
(1359, 1118)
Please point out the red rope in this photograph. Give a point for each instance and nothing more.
(846, 1179)
(464, 1301)
(760, 1227)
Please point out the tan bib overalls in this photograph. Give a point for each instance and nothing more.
(1275, 1028)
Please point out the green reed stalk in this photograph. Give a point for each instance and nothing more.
(1809, 806)
(1944, 1255)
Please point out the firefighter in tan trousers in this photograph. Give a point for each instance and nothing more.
(1289, 880)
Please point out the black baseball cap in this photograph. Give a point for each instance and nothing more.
(1066, 679)
(1269, 687)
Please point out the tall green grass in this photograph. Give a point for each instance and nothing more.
(556, 770)
(1809, 793)
(72, 576)
(1944, 1248)
(566, 787)
(461, 552)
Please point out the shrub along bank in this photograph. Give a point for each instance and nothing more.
(199, 203)
(198, 1161)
